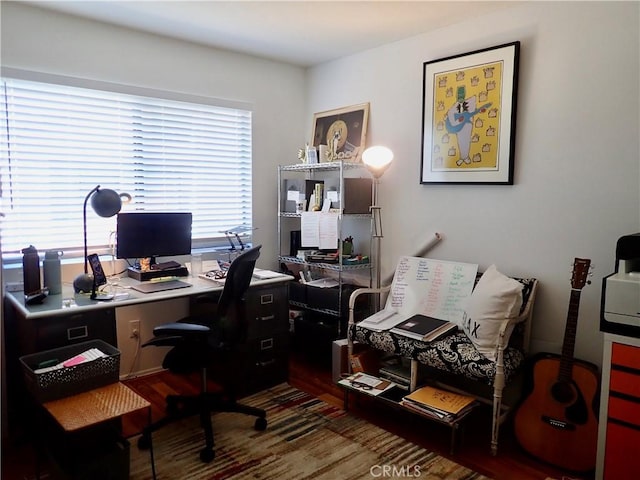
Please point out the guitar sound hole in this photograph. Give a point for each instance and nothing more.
(563, 392)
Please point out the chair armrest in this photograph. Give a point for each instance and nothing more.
(526, 312)
(526, 316)
(172, 334)
(361, 291)
(181, 329)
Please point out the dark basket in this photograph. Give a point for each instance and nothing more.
(68, 381)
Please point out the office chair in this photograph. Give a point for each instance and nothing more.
(199, 344)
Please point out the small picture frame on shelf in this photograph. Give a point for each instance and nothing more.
(343, 131)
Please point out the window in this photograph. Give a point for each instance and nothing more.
(60, 141)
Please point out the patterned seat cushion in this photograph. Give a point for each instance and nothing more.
(454, 354)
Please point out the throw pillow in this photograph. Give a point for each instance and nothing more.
(495, 299)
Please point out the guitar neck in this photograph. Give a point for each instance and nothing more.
(568, 345)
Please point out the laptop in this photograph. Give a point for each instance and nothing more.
(152, 287)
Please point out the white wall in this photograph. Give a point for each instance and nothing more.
(577, 176)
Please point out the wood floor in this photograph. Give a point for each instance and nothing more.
(472, 450)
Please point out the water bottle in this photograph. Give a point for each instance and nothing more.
(52, 271)
(31, 270)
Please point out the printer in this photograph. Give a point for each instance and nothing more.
(620, 303)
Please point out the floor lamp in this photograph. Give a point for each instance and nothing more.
(377, 159)
(106, 203)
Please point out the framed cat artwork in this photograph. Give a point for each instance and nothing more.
(469, 117)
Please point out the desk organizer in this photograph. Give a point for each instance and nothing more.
(67, 381)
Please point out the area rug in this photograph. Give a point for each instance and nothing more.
(306, 438)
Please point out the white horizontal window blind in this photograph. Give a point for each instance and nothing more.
(59, 142)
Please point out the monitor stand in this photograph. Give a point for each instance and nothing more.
(141, 276)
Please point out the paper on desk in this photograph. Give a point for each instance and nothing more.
(383, 320)
(264, 274)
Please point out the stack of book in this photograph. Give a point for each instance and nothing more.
(422, 327)
(441, 404)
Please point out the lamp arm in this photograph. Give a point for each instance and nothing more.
(84, 223)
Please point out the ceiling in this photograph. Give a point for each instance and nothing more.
(299, 32)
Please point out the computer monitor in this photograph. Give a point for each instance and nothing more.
(151, 235)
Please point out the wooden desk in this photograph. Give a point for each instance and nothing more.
(95, 407)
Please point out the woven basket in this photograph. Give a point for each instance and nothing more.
(68, 381)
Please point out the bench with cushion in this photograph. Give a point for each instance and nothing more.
(465, 361)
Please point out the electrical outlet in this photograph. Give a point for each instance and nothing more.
(134, 328)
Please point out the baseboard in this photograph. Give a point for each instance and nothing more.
(141, 373)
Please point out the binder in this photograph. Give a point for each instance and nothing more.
(422, 327)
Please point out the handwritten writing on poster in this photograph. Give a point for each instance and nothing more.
(436, 288)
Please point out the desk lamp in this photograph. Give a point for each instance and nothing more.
(106, 203)
(377, 159)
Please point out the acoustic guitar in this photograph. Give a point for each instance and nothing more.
(557, 421)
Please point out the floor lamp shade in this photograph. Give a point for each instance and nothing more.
(106, 203)
(377, 159)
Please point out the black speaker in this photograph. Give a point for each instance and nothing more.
(295, 242)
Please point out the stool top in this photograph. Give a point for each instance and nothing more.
(95, 406)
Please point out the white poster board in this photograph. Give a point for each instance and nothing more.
(436, 288)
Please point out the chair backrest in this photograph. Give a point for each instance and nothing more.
(238, 278)
(230, 311)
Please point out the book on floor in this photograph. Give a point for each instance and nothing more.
(422, 327)
(443, 401)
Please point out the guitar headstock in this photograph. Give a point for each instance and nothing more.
(581, 269)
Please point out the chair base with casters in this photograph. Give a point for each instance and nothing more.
(185, 406)
(201, 343)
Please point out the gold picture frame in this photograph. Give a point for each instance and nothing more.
(343, 131)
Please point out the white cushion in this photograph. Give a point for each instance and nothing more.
(495, 298)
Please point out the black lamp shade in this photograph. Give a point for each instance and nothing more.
(106, 203)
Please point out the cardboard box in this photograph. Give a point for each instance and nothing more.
(365, 360)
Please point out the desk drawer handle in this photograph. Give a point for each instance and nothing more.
(266, 344)
(77, 332)
(266, 364)
(268, 317)
(266, 299)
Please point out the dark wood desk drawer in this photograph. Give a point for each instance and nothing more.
(268, 298)
(267, 362)
(59, 331)
(268, 311)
